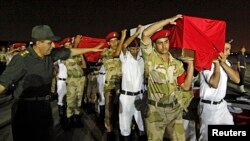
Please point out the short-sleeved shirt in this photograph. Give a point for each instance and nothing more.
(31, 74)
(162, 76)
(132, 72)
(112, 65)
(209, 93)
(62, 70)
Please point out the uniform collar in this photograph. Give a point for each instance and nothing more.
(32, 52)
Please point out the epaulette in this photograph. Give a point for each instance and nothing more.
(24, 53)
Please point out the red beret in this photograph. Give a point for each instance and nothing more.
(17, 45)
(65, 40)
(111, 35)
(160, 34)
(57, 45)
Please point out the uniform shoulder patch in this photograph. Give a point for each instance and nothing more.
(24, 53)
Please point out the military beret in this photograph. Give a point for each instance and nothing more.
(160, 34)
(65, 40)
(17, 45)
(112, 35)
(57, 45)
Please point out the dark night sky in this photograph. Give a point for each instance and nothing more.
(96, 18)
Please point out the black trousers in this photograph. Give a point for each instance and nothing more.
(242, 76)
(31, 120)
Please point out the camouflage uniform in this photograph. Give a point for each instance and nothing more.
(75, 85)
(164, 98)
(112, 85)
(91, 95)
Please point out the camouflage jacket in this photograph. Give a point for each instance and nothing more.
(112, 65)
(162, 77)
(73, 65)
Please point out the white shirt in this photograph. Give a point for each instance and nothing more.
(209, 93)
(62, 70)
(132, 72)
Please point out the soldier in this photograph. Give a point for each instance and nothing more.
(101, 100)
(166, 77)
(75, 83)
(132, 86)
(3, 59)
(242, 67)
(13, 50)
(112, 67)
(61, 90)
(213, 86)
(32, 71)
(91, 95)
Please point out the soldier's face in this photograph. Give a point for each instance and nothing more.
(113, 43)
(134, 50)
(46, 46)
(162, 45)
(227, 49)
(243, 49)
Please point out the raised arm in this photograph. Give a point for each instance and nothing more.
(77, 41)
(148, 32)
(131, 38)
(190, 72)
(215, 78)
(119, 47)
(232, 74)
(78, 51)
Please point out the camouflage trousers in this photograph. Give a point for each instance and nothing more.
(75, 89)
(111, 91)
(91, 95)
(166, 121)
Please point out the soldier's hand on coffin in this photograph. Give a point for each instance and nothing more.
(215, 61)
(78, 38)
(188, 61)
(222, 57)
(173, 19)
(139, 28)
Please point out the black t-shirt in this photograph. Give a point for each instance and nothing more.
(30, 74)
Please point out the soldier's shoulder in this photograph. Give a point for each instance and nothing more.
(24, 53)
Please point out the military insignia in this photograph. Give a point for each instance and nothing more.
(24, 53)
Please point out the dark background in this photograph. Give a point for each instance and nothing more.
(95, 18)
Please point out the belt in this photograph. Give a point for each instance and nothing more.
(131, 93)
(102, 73)
(63, 79)
(211, 102)
(160, 104)
(42, 98)
(75, 76)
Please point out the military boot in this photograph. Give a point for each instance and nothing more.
(110, 136)
(125, 138)
(77, 121)
(63, 118)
